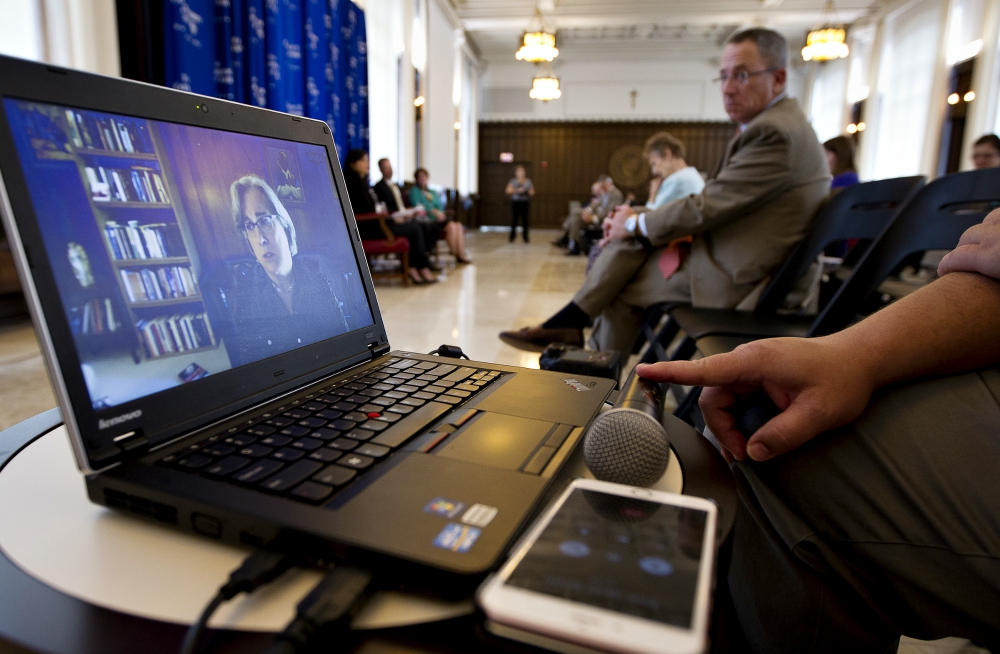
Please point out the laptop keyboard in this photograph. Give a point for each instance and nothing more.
(309, 448)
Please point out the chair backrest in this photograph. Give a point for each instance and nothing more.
(861, 211)
(934, 219)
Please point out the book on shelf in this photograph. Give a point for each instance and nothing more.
(173, 334)
(88, 131)
(150, 241)
(162, 283)
(93, 317)
(133, 184)
(193, 372)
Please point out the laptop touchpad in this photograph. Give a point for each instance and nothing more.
(497, 440)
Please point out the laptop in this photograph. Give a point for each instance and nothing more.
(202, 298)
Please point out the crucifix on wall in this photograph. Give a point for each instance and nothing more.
(633, 93)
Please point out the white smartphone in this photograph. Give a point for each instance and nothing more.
(612, 568)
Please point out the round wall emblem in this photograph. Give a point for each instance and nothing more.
(628, 166)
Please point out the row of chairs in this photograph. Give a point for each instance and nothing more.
(894, 219)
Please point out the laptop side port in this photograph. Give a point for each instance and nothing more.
(206, 525)
(141, 506)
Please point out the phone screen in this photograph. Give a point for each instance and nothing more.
(618, 553)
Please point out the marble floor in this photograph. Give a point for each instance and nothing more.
(509, 285)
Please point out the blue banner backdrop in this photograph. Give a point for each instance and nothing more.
(304, 57)
(338, 61)
(357, 79)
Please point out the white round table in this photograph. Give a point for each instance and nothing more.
(50, 531)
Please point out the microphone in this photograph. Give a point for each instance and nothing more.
(627, 444)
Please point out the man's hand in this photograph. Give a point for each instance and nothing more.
(614, 225)
(812, 381)
(587, 215)
(978, 250)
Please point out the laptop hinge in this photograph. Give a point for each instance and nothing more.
(378, 350)
(130, 444)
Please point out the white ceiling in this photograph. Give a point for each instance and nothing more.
(621, 28)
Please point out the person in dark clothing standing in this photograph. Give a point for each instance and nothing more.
(363, 201)
(521, 190)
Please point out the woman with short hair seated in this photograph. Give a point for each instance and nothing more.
(454, 234)
(363, 201)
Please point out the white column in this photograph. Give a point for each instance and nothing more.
(983, 114)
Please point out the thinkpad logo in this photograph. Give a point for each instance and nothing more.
(117, 420)
(576, 385)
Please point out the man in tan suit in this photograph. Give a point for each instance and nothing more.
(744, 223)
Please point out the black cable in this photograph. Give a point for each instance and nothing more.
(256, 570)
(450, 351)
(194, 632)
(330, 605)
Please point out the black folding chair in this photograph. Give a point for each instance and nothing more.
(861, 211)
(858, 212)
(934, 219)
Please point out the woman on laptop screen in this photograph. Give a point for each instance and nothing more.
(282, 301)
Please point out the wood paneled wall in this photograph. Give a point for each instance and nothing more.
(563, 160)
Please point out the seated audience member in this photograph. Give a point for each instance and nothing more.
(744, 223)
(574, 214)
(866, 506)
(391, 194)
(665, 154)
(454, 234)
(840, 157)
(986, 151)
(654, 185)
(363, 201)
(673, 177)
(591, 217)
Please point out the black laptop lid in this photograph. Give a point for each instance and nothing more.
(189, 257)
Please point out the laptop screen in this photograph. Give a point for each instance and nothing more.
(180, 252)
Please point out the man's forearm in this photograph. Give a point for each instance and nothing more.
(949, 326)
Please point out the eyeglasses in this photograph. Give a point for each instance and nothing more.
(264, 223)
(743, 77)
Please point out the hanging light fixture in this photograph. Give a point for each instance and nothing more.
(537, 43)
(545, 85)
(828, 40)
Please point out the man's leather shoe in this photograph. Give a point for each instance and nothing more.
(536, 339)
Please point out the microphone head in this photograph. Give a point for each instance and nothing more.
(627, 447)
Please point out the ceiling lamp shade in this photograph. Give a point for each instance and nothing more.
(538, 44)
(826, 42)
(545, 85)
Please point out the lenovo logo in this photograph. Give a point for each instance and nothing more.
(117, 420)
(577, 386)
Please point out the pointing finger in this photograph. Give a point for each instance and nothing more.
(718, 370)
